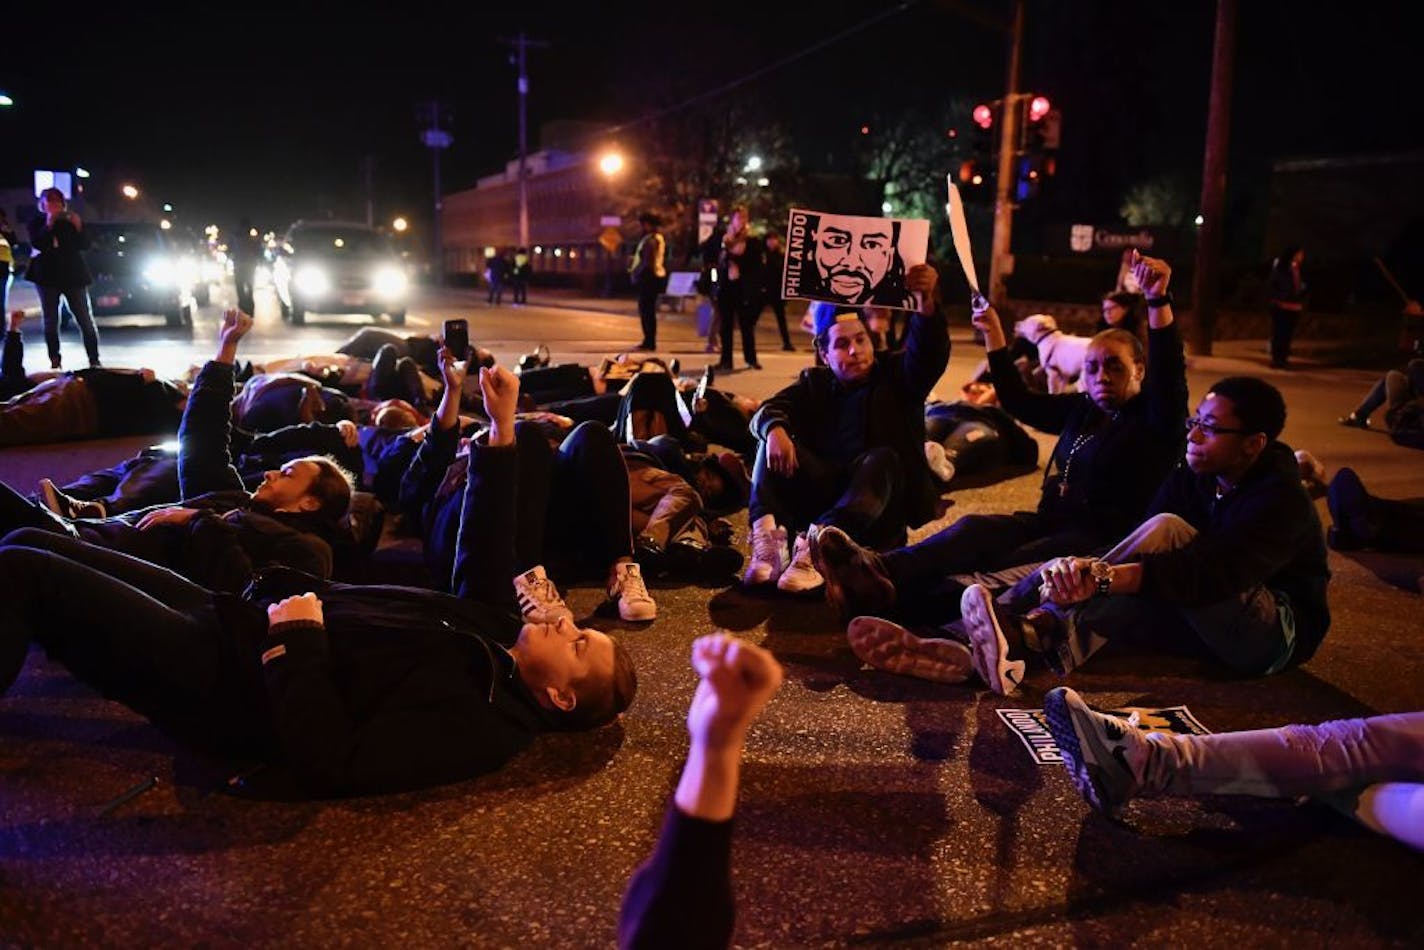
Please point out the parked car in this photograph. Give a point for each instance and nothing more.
(338, 267)
(136, 269)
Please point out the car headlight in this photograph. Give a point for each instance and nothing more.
(312, 280)
(161, 272)
(212, 271)
(389, 281)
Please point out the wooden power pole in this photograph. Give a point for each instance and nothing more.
(1206, 280)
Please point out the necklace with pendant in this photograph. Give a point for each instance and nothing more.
(1078, 443)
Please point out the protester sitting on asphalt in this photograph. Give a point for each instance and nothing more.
(93, 403)
(1402, 395)
(1371, 769)
(844, 444)
(1231, 564)
(1117, 440)
(220, 533)
(354, 689)
(573, 503)
(681, 896)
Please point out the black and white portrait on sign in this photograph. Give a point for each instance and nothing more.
(851, 260)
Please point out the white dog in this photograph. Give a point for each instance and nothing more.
(1060, 354)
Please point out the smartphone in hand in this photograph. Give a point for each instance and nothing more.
(457, 338)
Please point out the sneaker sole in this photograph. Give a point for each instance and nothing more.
(638, 614)
(890, 647)
(987, 644)
(1085, 774)
(797, 587)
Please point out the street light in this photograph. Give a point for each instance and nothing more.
(400, 224)
(611, 163)
(81, 172)
(5, 101)
(165, 224)
(753, 163)
(167, 207)
(130, 192)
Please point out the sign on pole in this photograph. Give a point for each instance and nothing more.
(436, 138)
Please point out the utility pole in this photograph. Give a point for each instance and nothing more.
(437, 140)
(521, 45)
(1001, 263)
(1206, 276)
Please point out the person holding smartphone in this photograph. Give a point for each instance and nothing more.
(59, 272)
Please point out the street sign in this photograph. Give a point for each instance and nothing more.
(436, 138)
(610, 221)
(611, 239)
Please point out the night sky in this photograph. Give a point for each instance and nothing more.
(268, 110)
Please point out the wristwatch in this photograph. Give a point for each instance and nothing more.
(1163, 301)
(1102, 574)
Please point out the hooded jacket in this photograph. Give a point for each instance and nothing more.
(1264, 531)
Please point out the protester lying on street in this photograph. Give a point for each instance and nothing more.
(1370, 769)
(219, 533)
(845, 444)
(1402, 395)
(1231, 565)
(965, 441)
(673, 536)
(96, 403)
(151, 477)
(681, 896)
(1362, 520)
(1117, 440)
(355, 689)
(269, 401)
(573, 505)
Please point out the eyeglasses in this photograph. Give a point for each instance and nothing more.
(1195, 423)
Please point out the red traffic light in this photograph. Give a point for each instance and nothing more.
(983, 116)
(1038, 107)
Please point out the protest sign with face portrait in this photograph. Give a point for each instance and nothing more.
(850, 260)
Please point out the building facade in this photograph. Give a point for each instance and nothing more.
(569, 201)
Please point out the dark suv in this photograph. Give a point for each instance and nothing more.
(136, 269)
(335, 267)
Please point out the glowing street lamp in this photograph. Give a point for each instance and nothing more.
(610, 163)
(165, 224)
(753, 163)
(81, 172)
(5, 101)
(129, 192)
(401, 225)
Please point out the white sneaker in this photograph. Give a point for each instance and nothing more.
(768, 552)
(627, 587)
(939, 462)
(539, 599)
(802, 575)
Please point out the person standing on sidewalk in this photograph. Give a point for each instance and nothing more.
(740, 264)
(648, 271)
(1287, 290)
(60, 274)
(7, 260)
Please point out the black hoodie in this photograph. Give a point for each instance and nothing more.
(1264, 531)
